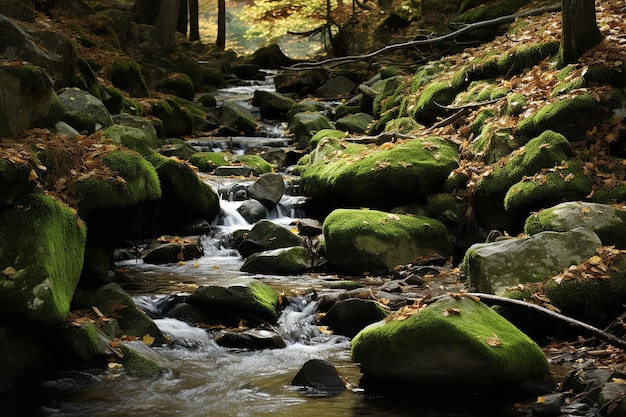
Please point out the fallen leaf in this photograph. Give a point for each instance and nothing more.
(451, 311)
(148, 340)
(8, 271)
(494, 340)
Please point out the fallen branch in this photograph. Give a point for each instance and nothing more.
(426, 42)
(490, 299)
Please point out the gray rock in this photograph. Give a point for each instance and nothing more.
(141, 361)
(234, 170)
(250, 339)
(349, 317)
(282, 261)
(336, 87)
(252, 211)
(320, 376)
(354, 123)
(266, 235)
(174, 250)
(272, 105)
(268, 189)
(83, 111)
(492, 267)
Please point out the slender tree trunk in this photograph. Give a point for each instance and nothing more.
(181, 26)
(166, 24)
(579, 29)
(194, 30)
(221, 24)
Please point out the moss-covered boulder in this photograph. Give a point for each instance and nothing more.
(570, 117)
(208, 161)
(27, 99)
(185, 196)
(345, 174)
(492, 267)
(15, 182)
(83, 111)
(294, 260)
(237, 299)
(112, 301)
(128, 76)
(257, 164)
(546, 151)
(133, 138)
(272, 105)
(304, 125)
(267, 235)
(374, 242)
(237, 118)
(176, 119)
(40, 268)
(354, 123)
(113, 207)
(177, 84)
(326, 133)
(608, 222)
(457, 342)
(565, 182)
(140, 360)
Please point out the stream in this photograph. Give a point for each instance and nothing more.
(210, 380)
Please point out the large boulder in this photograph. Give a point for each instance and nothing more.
(282, 261)
(319, 377)
(83, 111)
(458, 342)
(27, 99)
(305, 125)
(137, 139)
(608, 222)
(15, 182)
(375, 242)
(268, 189)
(237, 299)
(272, 105)
(40, 267)
(237, 118)
(266, 235)
(349, 317)
(390, 175)
(493, 267)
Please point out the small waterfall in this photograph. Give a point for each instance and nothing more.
(183, 335)
(229, 217)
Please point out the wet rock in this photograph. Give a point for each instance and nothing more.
(113, 301)
(492, 267)
(141, 361)
(266, 235)
(304, 125)
(177, 148)
(311, 106)
(375, 242)
(252, 211)
(550, 404)
(608, 222)
(237, 118)
(188, 313)
(268, 189)
(348, 317)
(391, 286)
(237, 299)
(132, 138)
(85, 341)
(272, 105)
(282, 261)
(612, 399)
(336, 87)
(195, 228)
(172, 249)
(83, 111)
(309, 227)
(127, 75)
(320, 376)
(459, 343)
(41, 266)
(237, 171)
(302, 83)
(250, 339)
(177, 84)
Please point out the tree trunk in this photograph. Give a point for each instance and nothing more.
(166, 24)
(181, 26)
(221, 24)
(579, 29)
(194, 31)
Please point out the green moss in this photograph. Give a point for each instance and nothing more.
(132, 138)
(570, 117)
(427, 73)
(259, 165)
(481, 91)
(446, 207)
(436, 94)
(14, 182)
(140, 363)
(128, 76)
(456, 325)
(477, 124)
(524, 57)
(494, 143)
(46, 253)
(324, 133)
(402, 125)
(515, 104)
(566, 183)
(179, 85)
(208, 161)
(141, 184)
(32, 78)
(609, 196)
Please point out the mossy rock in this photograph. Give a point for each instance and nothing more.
(439, 93)
(306, 106)
(295, 260)
(354, 123)
(386, 89)
(258, 165)
(176, 120)
(326, 133)
(495, 266)
(41, 267)
(84, 341)
(128, 76)
(566, 182)
(15, 182)
(525, 57)
(570, 117)
(237, 118)
(141, 361)
(457, 342)
(185, 196)
(179, 85)
(480, 91)
(141, 184)
(305, 125)
(83, 111)
(238, 299)
(494, 143)
(132, 138)
(515, 104)
(403, 125)
(608, 222)
(375, 242)
(479, 122)
(354, 175)
(446, 207)
(208, 161)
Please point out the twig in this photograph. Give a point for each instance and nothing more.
(425, 42)
(490, 299)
